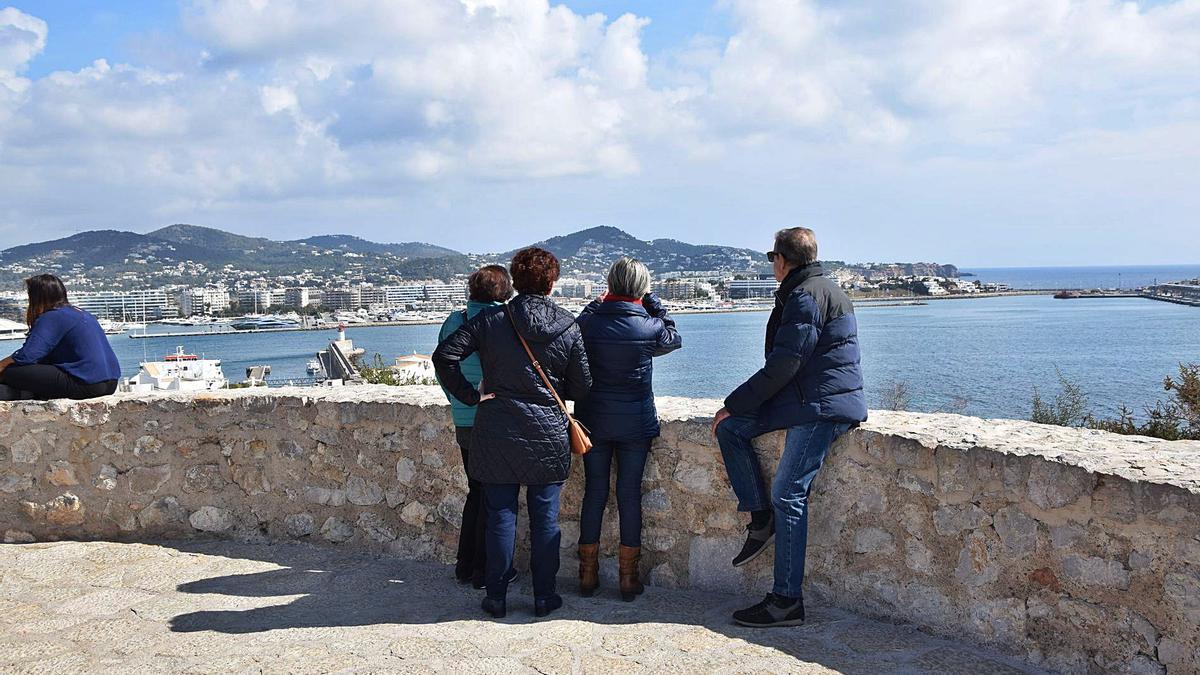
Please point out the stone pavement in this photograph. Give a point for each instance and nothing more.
(236, 607)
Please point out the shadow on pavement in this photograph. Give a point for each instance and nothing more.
(349, 589)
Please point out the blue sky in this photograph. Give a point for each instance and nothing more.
(1030, 132)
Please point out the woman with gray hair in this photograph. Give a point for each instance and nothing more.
(622, 332)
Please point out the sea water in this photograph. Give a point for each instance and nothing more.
(980, 356)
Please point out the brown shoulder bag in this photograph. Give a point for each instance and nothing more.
(576, 432)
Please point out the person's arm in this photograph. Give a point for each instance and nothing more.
(668, 338)
(794, 344)
(6, 362)
(451, 324)
(591, 307)
(579, 374)
(447, 362)
(44, 336)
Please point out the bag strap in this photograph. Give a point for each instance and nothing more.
(536, 366)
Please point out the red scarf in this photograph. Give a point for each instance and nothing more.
(609, 297)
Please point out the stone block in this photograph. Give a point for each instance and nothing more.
(326, 496)
(1093, 571)
(14, 481)
(874, 540)
(299, 524)
(203, 478)
(211, 519)
(952, 519)
(415, 513)
(362, 492)
(18, 537)
(1182, 590)
(106, 479)
(61, 474)
(1053, 485)
(708, 563)
(977, 564)
(406, 470)
(27, 449)
(374, 527)
(1018, 532)
(148, 480)
(337, 530)
(164, 512)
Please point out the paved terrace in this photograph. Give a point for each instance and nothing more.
(220, 606)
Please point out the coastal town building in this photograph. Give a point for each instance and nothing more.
(756, 286)
(203, 300)
(139, 305)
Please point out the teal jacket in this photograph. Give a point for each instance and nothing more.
(464, 415)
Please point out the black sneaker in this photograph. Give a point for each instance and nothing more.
(756, 543)
(774, 610)
(494, 607)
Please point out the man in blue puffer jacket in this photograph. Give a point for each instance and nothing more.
(811, 385)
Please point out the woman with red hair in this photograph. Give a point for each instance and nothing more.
(520, 434)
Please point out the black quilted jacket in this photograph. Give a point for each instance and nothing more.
(521, 435)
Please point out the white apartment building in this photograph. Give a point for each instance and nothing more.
(203, 300)
(763, 286)
(142, 305)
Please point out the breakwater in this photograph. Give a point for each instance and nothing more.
(1075, 549)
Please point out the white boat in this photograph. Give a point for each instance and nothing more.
(177, 372)
(12, 330)
(251, 322)
(314, 367)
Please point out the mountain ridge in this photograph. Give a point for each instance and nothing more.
(192, 254)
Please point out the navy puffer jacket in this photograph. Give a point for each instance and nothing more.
(812, 370)
(621, 339)
(521, 435)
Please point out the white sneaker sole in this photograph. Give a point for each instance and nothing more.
(758, 552)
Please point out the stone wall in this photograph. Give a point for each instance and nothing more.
(1077, 550)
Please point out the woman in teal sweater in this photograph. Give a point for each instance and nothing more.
(489, 286)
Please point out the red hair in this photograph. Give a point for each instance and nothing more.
(534, 271)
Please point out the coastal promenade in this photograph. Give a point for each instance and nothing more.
(1072, 550)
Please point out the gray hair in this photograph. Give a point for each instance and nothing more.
(628, 277)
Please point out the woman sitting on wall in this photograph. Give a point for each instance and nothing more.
(623, 331)
(65, 355)
(520, 434)
(489, 286)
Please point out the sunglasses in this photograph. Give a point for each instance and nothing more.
(771, 255)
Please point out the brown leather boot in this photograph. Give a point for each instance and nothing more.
(589, 569)
(628, 560)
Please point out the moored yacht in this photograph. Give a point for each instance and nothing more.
(179, 371)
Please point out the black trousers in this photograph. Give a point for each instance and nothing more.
(472, 552)
(44, 382)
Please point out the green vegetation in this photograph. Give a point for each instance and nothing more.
(1176, 418)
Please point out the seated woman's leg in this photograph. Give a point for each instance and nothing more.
(631, 465)
(597, 464)
(8, 393)
(43, 381)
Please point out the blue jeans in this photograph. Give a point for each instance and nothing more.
(804, 451)
(597, 464)
(501, 501)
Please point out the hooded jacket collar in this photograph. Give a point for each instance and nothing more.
(538, 318)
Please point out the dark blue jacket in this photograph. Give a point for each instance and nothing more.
(521, 435)
(621, 338)
(812, 369)
(73, 340)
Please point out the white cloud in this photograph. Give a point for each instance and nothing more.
(22, 37)
(375, 101)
